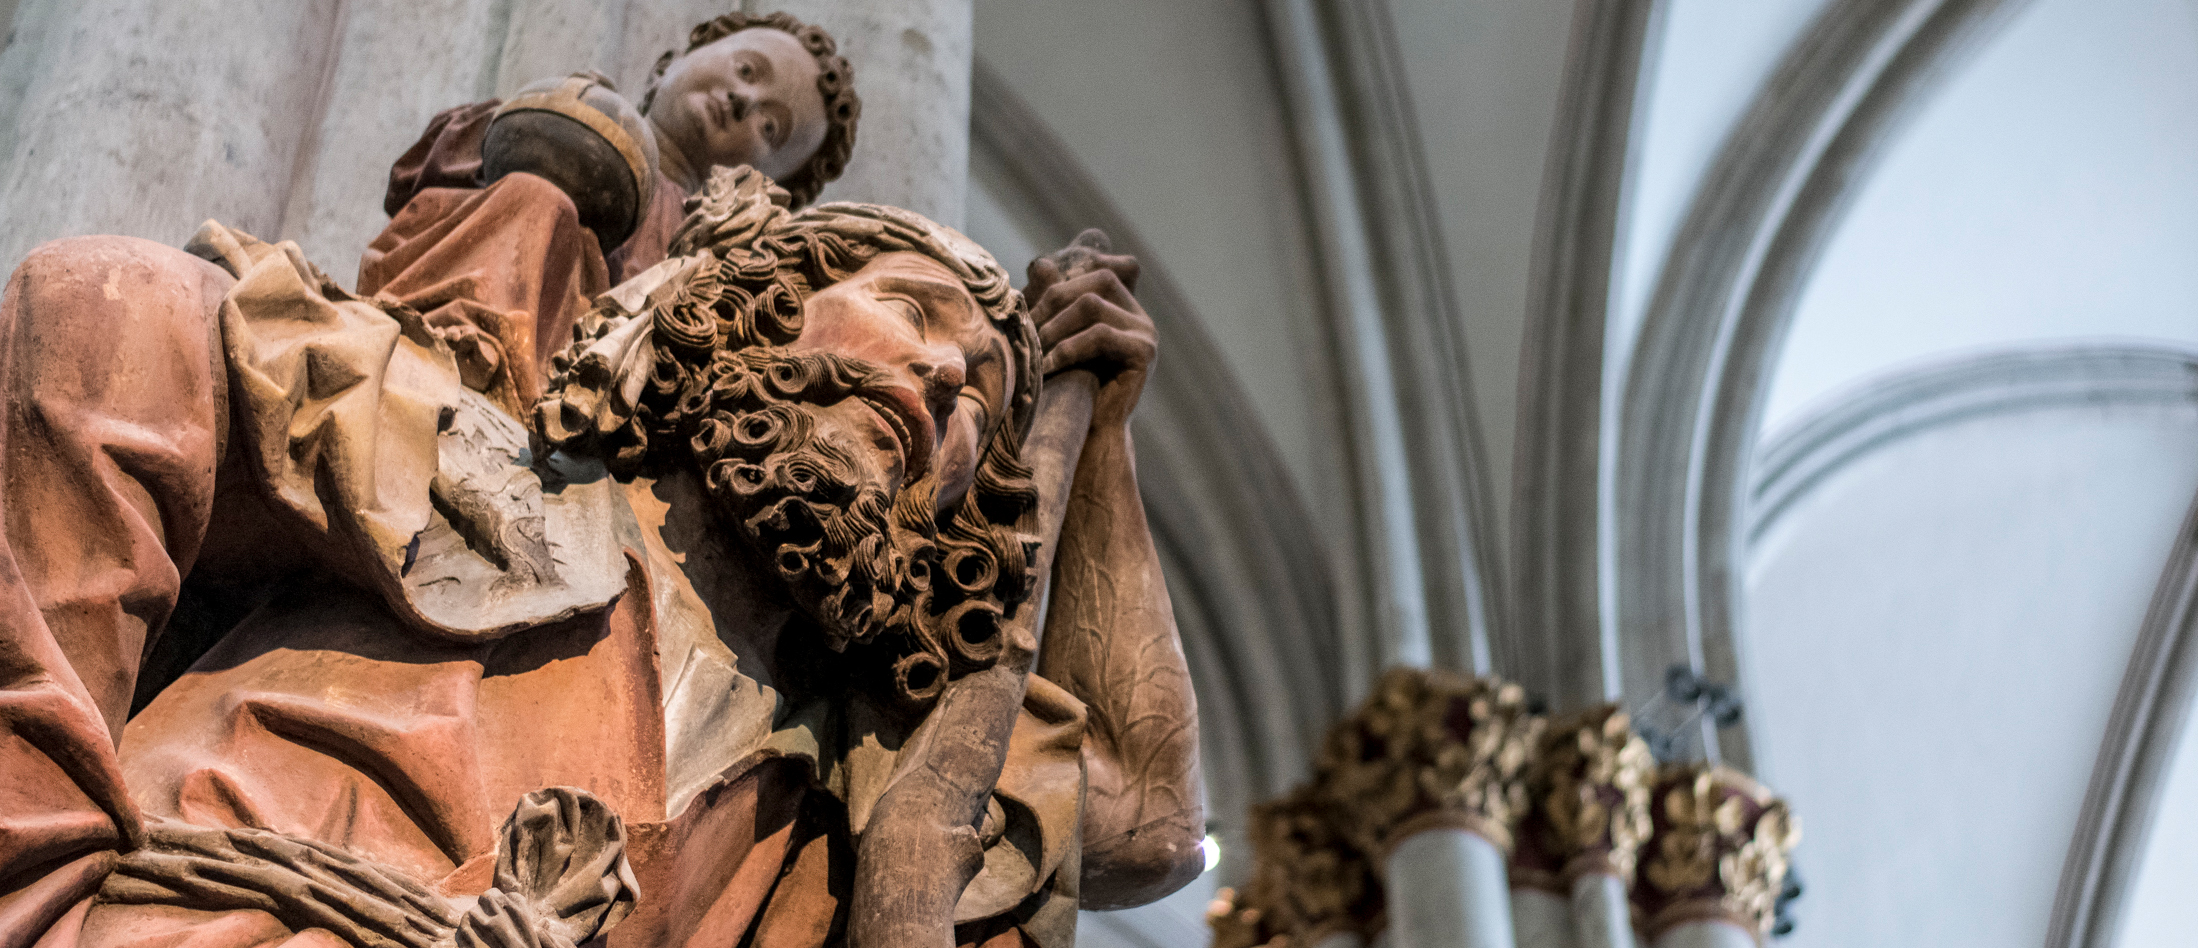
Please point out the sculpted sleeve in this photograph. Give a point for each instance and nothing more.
(511, 261)
(448, 155)
(350, 418)
(113, 424)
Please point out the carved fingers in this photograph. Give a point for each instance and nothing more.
(1100, 323)
(500, 920)
(1091, 250)
(1091, 319)
(480, 357)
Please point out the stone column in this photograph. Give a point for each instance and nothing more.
(1717, 934)
(1541, 918)
(1447, 887)
(912, 61)
(1601, 915)
(145, 117)
(549, 38)
(398, 62)
(647, 29)
(1432, 775)
(1717, 857)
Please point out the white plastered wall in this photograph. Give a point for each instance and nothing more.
(1934, 638)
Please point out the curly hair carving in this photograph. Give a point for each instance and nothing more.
(696, 375)
(835, 79)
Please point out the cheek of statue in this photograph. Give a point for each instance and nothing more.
(957, 460)
(861, 434)
(748, 99)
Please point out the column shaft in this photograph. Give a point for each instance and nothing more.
(912, 60)
(145, 117)
(1601, 915)
(397, 63)
(1542, 919)
(1448, 888)
(1707, 935)
(547, 38)
(647, 29)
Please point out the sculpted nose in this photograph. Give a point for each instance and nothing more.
(941, 382)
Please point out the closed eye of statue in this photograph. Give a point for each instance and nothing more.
(908, 310)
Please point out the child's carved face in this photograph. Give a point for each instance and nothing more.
(750, 98)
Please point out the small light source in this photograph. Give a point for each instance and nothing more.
(1211, 847)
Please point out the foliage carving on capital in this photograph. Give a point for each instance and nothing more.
(1432, 748)
(1591, 785)
(1720, 850)
(1307, 880)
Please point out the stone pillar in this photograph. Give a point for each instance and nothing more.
(647, 29)
(912, 61)
(145, 117)
(1717, 857)
(1432, 774)
(1601, 915)
(1708, 935)
(549, 38)
(1447, 887)
(398, 62)
(1542, 919)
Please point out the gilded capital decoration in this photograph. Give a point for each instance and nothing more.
(1719, 851)
(1428, 749)
(1307, 881)
(1590, 785)
(1432, 749)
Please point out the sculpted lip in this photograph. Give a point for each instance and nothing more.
(909, 422)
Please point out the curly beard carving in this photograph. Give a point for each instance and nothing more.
(701, 381)
(861, 564)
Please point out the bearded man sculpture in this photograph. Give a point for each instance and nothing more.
(743, 634)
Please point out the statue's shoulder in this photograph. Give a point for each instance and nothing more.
(351, 419)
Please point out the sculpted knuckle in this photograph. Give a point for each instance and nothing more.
(1057, 297)
(1091, 308)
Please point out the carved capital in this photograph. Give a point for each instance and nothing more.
(1431, 749)
(1591, 787)
(1307, 882)
(1719, 850)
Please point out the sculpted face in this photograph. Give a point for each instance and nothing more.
(845, 458)
(750, 98)
(947, 371)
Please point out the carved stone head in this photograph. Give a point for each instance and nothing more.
(853, 384)
(763, 90)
